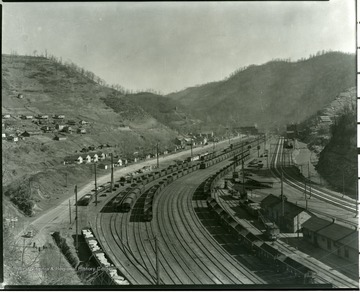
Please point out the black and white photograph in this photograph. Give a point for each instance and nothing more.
(180, 145)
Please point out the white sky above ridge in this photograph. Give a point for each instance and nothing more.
(168, 46)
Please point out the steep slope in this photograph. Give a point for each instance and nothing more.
(316, 133)
(272, 94)
(33, 174)
(167, 111)
(337, 161)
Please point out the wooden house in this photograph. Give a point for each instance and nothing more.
(87, 158)
(101, 155)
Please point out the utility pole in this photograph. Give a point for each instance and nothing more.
(23, 252)
(70, 211)
(298, 228)
(309, 176)
(76, 220)
(157, 155)
(191, 147)
(343, 183)
(157, 261)
(112, 173)
(356, 202)
(243, 177)
(282, 194)
(95, 185)
(66, 178)
(306, 202)
(30, 187)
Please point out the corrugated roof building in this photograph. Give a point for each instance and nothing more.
(333, 237)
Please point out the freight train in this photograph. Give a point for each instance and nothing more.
(124, 202)
(249, 239)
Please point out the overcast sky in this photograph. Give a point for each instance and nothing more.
(170, 46)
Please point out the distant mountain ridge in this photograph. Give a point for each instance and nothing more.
(272, 94)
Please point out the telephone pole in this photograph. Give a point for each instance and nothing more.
(243, 177)
(95, 185)
(306, 202)
(309, 176)
(356, 202)
(70, 211)
(282, 194)
(112, 173)
(191, 147)
(76, 220)
(157, 261)
(157, 155)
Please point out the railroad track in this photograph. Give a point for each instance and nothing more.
(316, 192)
(207, 258)
(325, 273)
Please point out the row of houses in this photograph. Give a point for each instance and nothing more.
(85, 158)
(97, 157)
(69, 129)
(44, 117)
(326, 234)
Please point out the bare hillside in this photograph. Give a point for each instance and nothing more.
(34, 86)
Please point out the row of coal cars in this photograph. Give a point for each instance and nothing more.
(176, 171)
(125, 200)
(249, 239)
(103, 262)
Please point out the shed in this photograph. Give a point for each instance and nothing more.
(6, 116)
(67, 129)
(12, 138)
(81, 130)
(103, 166)
(71, 122)
(60, 137)
(77, 159)
(27, 116)
(59, 127)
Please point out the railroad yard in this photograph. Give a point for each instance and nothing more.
(184, 226)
